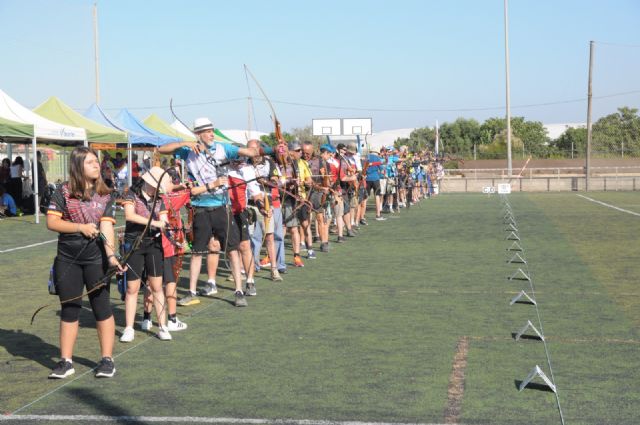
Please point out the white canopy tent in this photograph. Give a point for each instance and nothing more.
(44, 129)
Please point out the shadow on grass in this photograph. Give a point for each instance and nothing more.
(32, 347)
(533, 386)
(527, 337)
(90, 398)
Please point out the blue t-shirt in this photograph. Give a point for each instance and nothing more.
(206, 173)
(391, 165)
(7, 201)
(373, 171)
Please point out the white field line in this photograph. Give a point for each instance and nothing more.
(610, 206)
(34, 244)
(189, 419)
(27, 246)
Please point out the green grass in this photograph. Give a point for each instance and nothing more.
(369, 331)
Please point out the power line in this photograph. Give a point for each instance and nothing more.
(370, 109)
(605, 43)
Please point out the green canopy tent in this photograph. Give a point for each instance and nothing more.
(12, 131)
(156, 123)
(56, 110)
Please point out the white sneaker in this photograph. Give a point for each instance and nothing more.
(163, 333)
(127, 335)
(146, 325)
(209, 289)
(176, 326)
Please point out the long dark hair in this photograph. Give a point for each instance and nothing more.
(77, 180)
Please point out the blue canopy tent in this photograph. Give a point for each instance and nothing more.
(137, 133)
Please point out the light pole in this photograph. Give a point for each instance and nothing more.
(508, 103)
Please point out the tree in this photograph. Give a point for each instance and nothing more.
(306, 134)
(419, 140)
(270, 139)
(532, 135)
(618, 133)
(497, 149)
(572, 138)
(460, 136)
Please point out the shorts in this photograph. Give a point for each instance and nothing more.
(70, 280)
(304, 213)
(354, 200)
(148, 257)
(290, 216)
(338, 210)
(214, 222)
(390, 186)
(242, 223)
(316, 200)
(375, 186)
(362, 192)
(262, 220)
(167, 269)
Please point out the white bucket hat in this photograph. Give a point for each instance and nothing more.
(202, 124)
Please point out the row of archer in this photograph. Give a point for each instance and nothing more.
(239, 200)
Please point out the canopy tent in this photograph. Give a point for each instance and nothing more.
(218, 135)
(156, 123)
(243, 136)
(12, 131)
(136, 138)
(56, 110)
(137, 133)
(43, 129)
(130, 123)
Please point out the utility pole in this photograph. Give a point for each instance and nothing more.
(95, 48)
(589, 132)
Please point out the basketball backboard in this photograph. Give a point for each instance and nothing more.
(341, 126)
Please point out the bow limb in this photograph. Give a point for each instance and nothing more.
(278, 131)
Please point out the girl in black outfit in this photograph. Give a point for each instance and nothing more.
(82, 211)
(148, 256)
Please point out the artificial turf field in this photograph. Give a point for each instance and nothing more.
(372, 331)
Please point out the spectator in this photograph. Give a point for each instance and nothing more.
(15, 182)
(118, 161)
(42, 178)
(106, 170)
(7, 203)
(135, 169)
(5, 171)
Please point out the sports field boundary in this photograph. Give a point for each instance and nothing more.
(33, 245)
(609, 205)
(192, 419)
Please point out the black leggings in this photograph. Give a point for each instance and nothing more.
(71, 279)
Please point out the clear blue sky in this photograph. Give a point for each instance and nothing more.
(432, 55)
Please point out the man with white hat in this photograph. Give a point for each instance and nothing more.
(213, 223)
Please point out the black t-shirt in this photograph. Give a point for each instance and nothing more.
(75, 247)
(142, 207)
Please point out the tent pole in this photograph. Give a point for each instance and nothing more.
(64, 164)
(129, 163)
(36, 189)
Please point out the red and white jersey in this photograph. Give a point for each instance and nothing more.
(243, 185)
